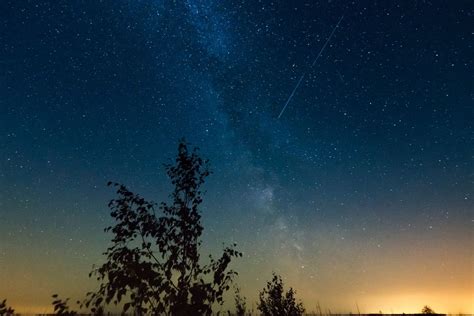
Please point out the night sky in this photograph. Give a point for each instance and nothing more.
(361, 192)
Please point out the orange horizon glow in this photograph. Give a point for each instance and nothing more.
(391, 304)
(336, 276)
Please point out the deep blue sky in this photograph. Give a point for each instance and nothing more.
(374, 150)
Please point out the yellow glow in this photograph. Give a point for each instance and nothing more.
(414, 302)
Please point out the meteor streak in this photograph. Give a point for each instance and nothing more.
(312, 65)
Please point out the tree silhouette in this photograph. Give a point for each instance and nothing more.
(240, 303)
(5, 310)
(153, 265)
(274, 302)
(427, 310)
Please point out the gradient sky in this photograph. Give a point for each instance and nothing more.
(361, 193)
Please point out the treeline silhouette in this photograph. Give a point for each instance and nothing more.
(154, 267)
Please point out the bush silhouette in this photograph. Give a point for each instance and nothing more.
(427, 310)
(274, 302)
(5, 310)
(153, 265)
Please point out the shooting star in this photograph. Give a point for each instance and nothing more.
(312, 65)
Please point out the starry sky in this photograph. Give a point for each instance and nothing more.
(360, 193)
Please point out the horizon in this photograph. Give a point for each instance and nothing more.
(339, 136)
